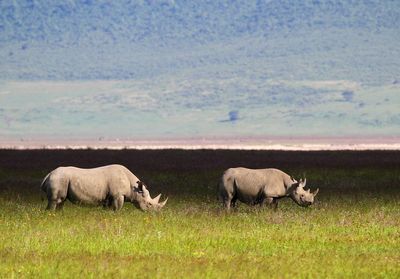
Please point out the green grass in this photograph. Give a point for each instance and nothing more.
(352, 231)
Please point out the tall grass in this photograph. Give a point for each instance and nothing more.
(353, 231)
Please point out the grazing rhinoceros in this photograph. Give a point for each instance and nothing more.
(260, 186)
(108, 186)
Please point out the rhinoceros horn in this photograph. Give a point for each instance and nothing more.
(156, 199)
(148, 201)
(161, 204)
(156, 204)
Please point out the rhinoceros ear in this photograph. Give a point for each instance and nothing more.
(316, 192)
(140, 185)
(293, 187)
(302, 183)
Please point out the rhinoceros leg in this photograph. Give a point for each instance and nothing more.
(233, 201)
(53, 199)
(51, 205)
(60, 205)
(118, 202)
(54, 204)
(274, 203)
(227, 193)
(108, 202)
(227, 201)
(227, 204)
(265, 201)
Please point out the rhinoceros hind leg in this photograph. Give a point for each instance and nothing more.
(233, 201)
(228, 202)
(52, 205)
(60, 205)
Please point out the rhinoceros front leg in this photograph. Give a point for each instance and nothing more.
(108, 202)
(118, 202)
(274, 203)
(265, 201)
(271, 202)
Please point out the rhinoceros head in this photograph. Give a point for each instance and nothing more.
(301, 196)
(143, 200)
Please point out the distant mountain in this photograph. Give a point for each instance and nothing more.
(99, 22)
(106, 39)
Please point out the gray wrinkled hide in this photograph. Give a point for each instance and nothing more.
(260, 186)
(108, 186)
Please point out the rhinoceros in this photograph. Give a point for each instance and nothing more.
(108, 186)
(261, 186)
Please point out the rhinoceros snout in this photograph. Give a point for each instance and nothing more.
(145, 201)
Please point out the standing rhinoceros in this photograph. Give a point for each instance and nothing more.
(109, 186)
(260, 186)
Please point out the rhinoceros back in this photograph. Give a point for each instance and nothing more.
(90, 186)
(250, 184)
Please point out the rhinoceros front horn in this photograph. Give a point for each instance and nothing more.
(145, 201)
(156, 204)
(156, 199)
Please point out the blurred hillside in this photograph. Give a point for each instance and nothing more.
(130, 39)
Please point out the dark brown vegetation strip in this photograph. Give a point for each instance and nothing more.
(196, 173)
(187, 160)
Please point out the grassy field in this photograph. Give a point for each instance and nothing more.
(353, 230)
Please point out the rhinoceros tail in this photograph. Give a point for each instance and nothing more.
(43, 186)
(226, 186)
